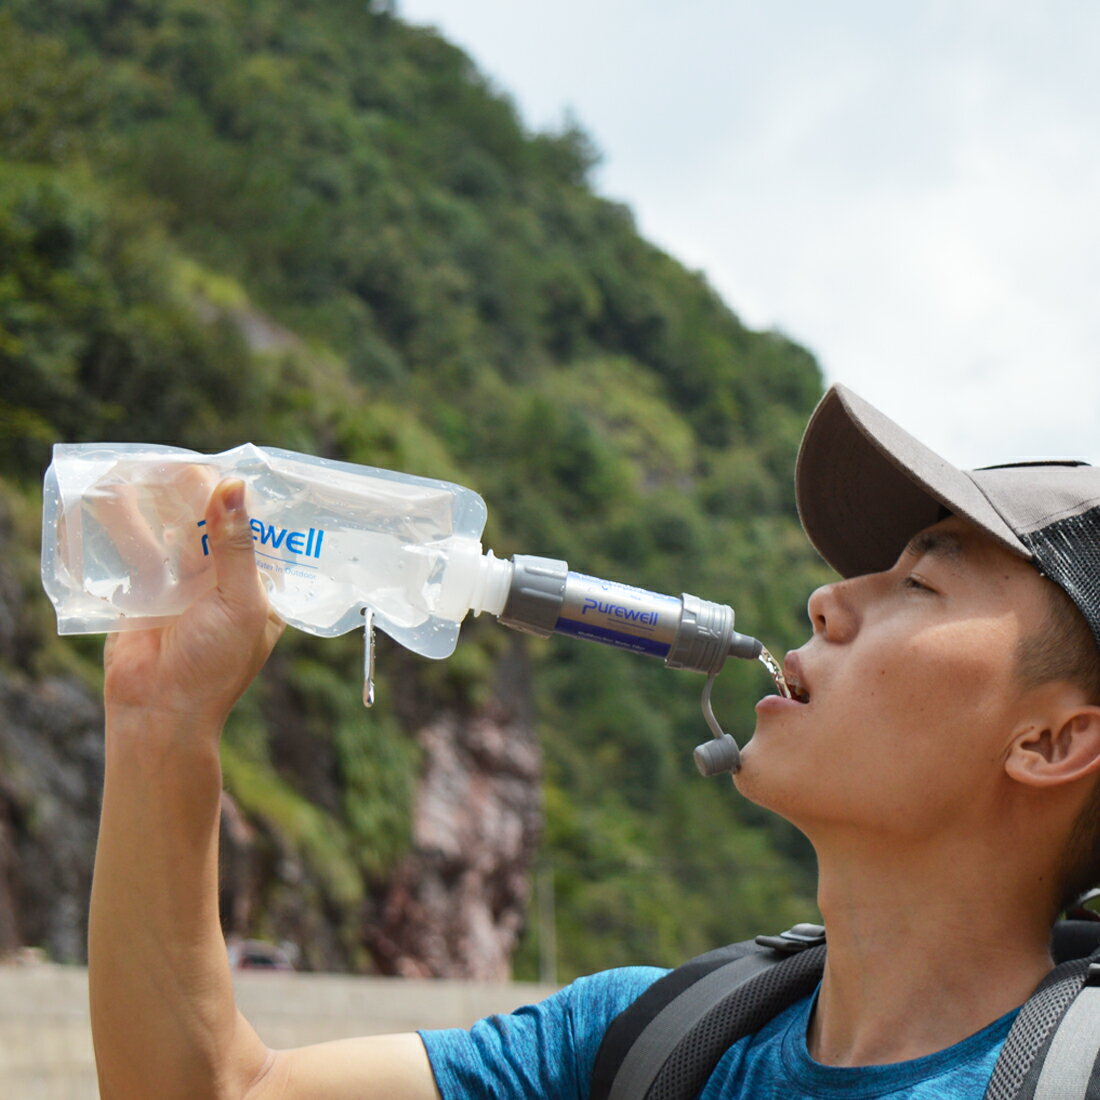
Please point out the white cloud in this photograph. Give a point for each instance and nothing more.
(909, 191)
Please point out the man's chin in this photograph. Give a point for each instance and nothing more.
(761, 781)
(748, 778)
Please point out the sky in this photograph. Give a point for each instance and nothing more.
(911, 191)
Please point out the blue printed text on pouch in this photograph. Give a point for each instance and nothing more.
(306, 543)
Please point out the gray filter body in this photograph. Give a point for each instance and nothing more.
(684, 631)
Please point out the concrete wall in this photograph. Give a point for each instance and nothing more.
(46, 1048)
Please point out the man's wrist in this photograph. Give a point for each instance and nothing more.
(154, 721)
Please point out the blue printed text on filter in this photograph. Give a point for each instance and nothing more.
(307, 543)
(619, 612)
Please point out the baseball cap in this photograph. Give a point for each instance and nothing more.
(865, 486)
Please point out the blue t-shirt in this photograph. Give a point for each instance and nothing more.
(546, 1052)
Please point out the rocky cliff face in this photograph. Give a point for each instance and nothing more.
(452, 907)
(454, 904)
(51, 768)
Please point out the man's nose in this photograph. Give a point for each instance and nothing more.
(834, 610)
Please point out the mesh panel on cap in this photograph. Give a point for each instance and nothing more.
(751, 1006)
(1068, 552)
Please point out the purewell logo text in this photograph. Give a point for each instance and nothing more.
(617, 611)
(306, 543)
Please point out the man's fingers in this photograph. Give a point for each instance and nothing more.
(186, 493)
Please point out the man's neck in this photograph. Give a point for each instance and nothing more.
(923, 952)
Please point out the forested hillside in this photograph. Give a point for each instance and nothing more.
(311, 225)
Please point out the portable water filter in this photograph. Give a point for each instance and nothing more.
(340, 547)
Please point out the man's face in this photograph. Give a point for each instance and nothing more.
(913, 692)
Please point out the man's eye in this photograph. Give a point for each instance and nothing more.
(915, 582)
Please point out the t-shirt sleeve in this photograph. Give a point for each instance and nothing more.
(543, 1051)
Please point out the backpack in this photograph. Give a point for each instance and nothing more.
(667, 1043)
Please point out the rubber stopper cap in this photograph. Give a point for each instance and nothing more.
(718, 755)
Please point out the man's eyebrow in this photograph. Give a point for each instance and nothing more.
(944, 544)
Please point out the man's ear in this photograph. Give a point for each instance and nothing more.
(1045, 755)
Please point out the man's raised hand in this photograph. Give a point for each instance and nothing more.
(200, 665)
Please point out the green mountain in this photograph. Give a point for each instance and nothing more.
(314, 226)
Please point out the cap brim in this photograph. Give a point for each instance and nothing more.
(865, 487)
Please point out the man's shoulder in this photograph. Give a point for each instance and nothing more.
(613, 989)
(546, 1048)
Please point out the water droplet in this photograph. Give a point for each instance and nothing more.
(772, 665)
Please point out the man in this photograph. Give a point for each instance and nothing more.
(941, 753)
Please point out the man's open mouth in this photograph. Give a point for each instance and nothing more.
(798, 693)
(796, 684)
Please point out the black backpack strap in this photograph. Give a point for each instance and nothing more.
(1074, 939)
(666, 1044)
(1070, 1064)
(1052, 1048)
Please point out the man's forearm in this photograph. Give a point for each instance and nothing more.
(165, 1022)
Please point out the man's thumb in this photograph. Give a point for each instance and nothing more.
(231, 539)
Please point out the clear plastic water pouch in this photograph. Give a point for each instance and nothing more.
(124, 546)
